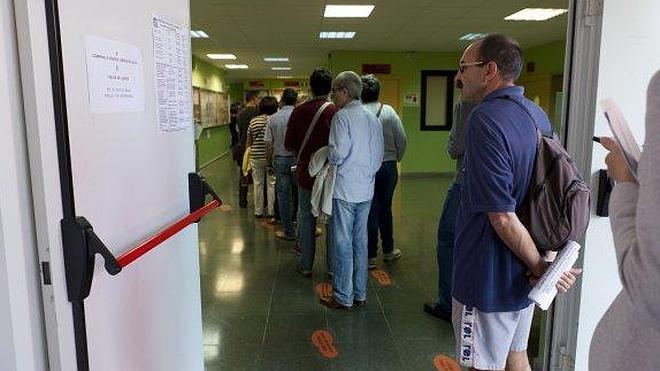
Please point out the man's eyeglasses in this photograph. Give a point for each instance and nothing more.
(463, 66)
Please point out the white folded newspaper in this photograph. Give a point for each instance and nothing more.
(545, 290)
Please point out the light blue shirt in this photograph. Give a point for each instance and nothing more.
(276, 130)
(356, 147)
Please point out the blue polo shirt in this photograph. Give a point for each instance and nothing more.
(500, 149)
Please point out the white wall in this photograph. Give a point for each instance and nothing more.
(22, 345)
(629, 57)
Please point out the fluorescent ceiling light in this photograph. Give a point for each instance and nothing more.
(535, 14)
(336, 35)
(348, 11)
(472, 36)
(276, 59)
(198, 34)
(284, 77)
(281, 68)
(237, 66)
(221, 56)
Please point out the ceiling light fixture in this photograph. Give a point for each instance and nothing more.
(276, 59)
(284, 77)
(336, 35)
(281, 68)
(221, 56)
(348, 11)
(535, 14)
(199, 34)
(472, 36)
(236, 66)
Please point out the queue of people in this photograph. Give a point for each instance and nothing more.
(487, 259)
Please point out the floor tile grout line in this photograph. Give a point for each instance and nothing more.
(270, 303)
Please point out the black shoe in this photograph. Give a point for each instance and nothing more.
(359, 304)
(434, 310)
(333, 304)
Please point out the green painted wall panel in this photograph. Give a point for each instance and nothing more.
(212, 143)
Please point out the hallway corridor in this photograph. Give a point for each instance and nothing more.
(259, 314)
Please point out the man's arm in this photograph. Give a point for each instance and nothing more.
(514, 234)
(400, 140)
(339, 142)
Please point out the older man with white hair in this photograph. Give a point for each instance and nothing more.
(356, 148)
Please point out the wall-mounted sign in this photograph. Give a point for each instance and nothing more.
(383, 69)
(114, 76)
(411, 99)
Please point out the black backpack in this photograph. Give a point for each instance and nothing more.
(556, 208)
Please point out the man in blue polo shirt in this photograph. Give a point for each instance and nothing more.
(494, 253)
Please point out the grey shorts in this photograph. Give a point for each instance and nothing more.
(484, 340)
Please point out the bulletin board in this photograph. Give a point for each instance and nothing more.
(210, 108)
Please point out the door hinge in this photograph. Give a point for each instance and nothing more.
(45, 271)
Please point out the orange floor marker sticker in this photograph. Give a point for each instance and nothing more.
(381, 277)
(323, 340)
(324, 289)
(445, 363)
(226, 208)
(266, 224)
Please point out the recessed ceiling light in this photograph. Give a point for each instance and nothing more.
(472, 36)
(237, 66)
(535, 14)
(348, 11)
(284, 77)
(336, 35)
(198, 34)
(221, 56)
(276, 59)
(281, 68)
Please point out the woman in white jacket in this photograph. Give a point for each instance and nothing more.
(628, 336)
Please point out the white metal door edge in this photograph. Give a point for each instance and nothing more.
(42, 147)
(580, 83)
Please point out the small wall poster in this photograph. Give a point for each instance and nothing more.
(411, 99)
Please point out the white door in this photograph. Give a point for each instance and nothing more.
(126, 76)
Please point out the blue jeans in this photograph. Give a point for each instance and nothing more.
(349, 231)
(306, 233)
(284, 184)
(445, 247)
(380, 214)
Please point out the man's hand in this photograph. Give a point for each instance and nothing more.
(566, 281)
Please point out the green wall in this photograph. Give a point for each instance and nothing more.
(213, 141)
(426, 151)
(548, 58)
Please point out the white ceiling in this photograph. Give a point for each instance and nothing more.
(254, 29)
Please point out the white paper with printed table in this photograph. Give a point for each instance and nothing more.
(622, 134)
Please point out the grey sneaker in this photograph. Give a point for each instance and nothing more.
(371, 264)
(394, 255)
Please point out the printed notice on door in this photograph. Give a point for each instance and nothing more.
(172, 76)
(114, 76)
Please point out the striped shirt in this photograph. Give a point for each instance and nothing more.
(256, 131)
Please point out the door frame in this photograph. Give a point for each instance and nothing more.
(577, 126)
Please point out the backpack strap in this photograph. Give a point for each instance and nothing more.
(380, 109)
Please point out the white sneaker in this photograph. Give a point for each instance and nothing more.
(394, 255)
(371, 264)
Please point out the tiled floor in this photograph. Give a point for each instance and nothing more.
(260, 315)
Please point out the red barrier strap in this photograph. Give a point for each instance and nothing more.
(162, 236)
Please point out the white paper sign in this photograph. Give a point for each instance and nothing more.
(172, 75)
(115, 79)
